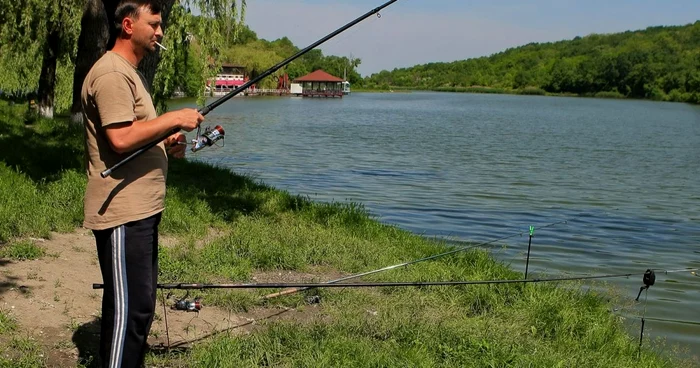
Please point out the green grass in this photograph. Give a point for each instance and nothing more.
(41, 180)
(22, 250)
(16, 351)
(21, 352)
(7, 322)
(228, 228)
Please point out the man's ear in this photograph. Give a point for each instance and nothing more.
(128, 25)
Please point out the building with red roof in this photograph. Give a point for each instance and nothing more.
(230, 77)
(318, 84)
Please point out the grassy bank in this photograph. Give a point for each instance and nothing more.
(531, 91)
(228, 228)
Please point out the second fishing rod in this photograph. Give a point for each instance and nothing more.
(207, 109)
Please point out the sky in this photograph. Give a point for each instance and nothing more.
(414, 32)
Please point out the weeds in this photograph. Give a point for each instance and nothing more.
(7, 322)
(22, 250)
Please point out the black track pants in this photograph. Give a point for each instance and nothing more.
(128, 257)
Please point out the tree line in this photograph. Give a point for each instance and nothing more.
(661, 63)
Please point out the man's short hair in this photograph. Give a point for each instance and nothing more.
(132, 9)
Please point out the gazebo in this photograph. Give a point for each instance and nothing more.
(318, 84)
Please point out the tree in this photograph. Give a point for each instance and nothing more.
(20, 48)
(35, 36)
(59, 43)
(92, 43)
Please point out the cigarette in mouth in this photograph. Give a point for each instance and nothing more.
(161, 46)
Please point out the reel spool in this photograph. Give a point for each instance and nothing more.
(208, 139)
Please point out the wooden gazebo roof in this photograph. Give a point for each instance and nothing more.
(318, 76)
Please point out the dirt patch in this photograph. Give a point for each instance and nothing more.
(54, 304)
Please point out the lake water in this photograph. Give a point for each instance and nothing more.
(624, 174)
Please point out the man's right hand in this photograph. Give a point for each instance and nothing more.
(128, 136)
(188, 119)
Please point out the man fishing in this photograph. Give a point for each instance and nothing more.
(124, 210)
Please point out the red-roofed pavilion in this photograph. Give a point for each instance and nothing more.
(320, 84)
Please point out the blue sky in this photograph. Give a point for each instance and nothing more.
(413, 32)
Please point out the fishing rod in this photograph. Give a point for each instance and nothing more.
(185, 286)
(195, 305)
(457, 250)
(204, 141)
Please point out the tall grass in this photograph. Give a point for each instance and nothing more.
(41, 184)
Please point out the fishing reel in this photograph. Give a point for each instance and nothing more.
(209, 138)
(187, 305)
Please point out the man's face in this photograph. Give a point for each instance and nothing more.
(146, 30)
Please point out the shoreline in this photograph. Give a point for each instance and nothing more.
(525, 92)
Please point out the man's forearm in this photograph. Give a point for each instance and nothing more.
(128, 137)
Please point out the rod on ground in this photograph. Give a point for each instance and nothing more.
(183, 286)
(186, 286)
(207, 109)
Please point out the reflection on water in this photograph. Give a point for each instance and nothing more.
(624, 174)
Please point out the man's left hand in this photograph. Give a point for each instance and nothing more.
(175, 146)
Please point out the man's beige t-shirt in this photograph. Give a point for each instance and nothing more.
(114, 92)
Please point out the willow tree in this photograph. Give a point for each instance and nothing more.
(204, 36)
(219, 20)
(20, 47)
(37, 47)
(257, 56)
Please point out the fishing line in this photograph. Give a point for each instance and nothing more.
(165, 316)
(461, 249)
(641, 333)
(369, 27)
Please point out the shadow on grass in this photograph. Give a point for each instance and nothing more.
(226, 193)
(38, 150)
(87, 340)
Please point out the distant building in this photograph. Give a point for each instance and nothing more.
(229, 78)
(318, 84)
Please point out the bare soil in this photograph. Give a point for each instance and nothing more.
(54, 304)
